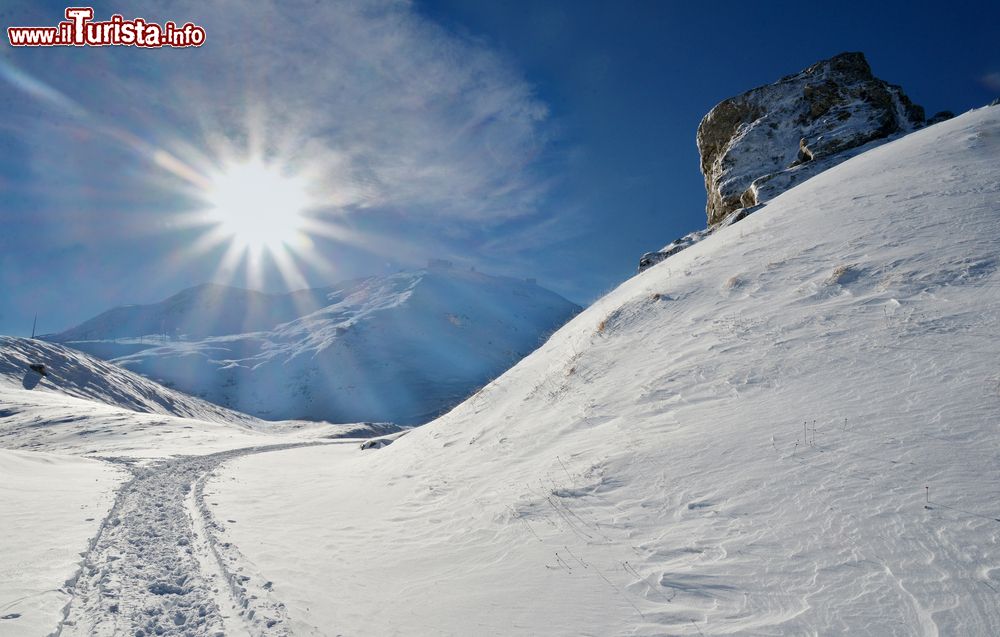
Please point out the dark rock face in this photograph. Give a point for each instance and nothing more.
(828, 108)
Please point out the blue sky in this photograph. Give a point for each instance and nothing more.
(548, 139)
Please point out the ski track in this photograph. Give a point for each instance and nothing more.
(157, 567)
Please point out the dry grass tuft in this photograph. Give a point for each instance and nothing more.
(843, 273)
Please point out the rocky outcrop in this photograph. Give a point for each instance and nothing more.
(759, 144)
(830, 107)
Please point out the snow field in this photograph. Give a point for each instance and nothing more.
(152, 564)
(51, 505)
(156, 567)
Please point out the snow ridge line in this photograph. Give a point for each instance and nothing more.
(142, 573)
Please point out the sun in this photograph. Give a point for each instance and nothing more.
(258, 206)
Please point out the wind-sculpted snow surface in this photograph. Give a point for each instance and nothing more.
(789, 428)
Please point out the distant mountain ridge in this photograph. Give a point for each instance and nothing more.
(210, 309)
(400, 348)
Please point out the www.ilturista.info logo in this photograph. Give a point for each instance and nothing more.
(79, 29)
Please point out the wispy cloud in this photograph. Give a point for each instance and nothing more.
(381, 106)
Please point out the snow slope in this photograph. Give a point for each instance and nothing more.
(73, 373)
(788, 428)
(398, 348)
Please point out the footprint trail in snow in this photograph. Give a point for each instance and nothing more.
(156, 567)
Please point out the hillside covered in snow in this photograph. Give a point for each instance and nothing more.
(399, 348)
(788, 428)
(86, 405)
(68, 372)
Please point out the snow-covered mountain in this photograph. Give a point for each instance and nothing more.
(199, 312)
(789, 428)
(400, 348)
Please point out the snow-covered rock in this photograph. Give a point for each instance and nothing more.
(758, 144)
(832, 106)
(401, 348)
(652, 258)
